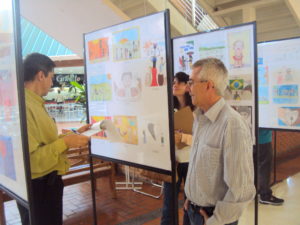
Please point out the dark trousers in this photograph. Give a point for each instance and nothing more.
(197, 219)
(264, 166)
(167, 196)
(47, 201)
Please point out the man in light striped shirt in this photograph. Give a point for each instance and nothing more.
(220, 180)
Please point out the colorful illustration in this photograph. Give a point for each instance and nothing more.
(263, 97)
(285, 94)
(126, 44)
(128, 88)
(239, 49)
(284, 75)
(156, 76)
(128, 128)
(239, 88)
(94, 119)
(100, 88)
(212, 50)
(237, 84)
(7, 164)
(263, 73)
(152, 133)
(289, 116)
(98, 50)
(186, 56)
(7, 98)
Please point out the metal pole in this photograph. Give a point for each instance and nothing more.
(93, 188)
(274, 156)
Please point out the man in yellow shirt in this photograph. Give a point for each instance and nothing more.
(48, 160)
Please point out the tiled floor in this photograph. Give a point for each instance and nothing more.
(130, 205)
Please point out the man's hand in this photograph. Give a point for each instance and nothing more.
(186, 205)
(76, 141)
(84, 128)
(204, 214)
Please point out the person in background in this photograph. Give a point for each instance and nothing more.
(47, 150)
(182, 99)
(59, 101)
(264, 165)
(220, 179)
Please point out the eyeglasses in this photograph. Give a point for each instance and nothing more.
(192, 82)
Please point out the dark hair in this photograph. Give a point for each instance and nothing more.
(183, 77)
(35, 63)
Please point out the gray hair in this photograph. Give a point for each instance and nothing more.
(213, 69)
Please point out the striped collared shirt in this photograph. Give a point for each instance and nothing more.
(220, 170)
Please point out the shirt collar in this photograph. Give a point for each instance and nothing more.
(33, 96)
(213, 112)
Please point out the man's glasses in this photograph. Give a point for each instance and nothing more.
(192, 82)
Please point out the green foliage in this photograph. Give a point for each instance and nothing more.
(80, 91)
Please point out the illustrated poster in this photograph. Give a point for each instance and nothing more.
(12, 169)
(235, 47)
(127, 86)
(279, 80)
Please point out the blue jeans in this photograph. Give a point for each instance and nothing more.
(167, 197)
(197, 219)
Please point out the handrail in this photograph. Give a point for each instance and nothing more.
(195, 14)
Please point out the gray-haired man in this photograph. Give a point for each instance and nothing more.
(220, 181)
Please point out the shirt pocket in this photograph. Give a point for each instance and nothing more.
(211, 158)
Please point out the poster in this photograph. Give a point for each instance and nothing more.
(235, 47)
(279, 79)
(12, 168)
(127, 85)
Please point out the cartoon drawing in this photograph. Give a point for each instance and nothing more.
(289, 116)
(7, 164)
(130, 87)
(127, 127)
(263, 75)
(215, 50)
(263, 95)
(156, 75)
(101, 134)
(7, 98)
(98, 50)
(186, 56)
(239, 49)
(287, 94)
(101, 89)
(239, 88)
(126, 44)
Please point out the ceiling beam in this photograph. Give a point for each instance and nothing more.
(255, 4)
(294, 7)
(176, 19)
(209, 9)
(249, 15)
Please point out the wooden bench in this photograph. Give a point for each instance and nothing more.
(79, 172)
(80, 169)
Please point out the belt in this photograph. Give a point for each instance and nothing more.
(208, 209)
(50, 178)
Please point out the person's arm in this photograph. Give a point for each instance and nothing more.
(238, 174)
(43, 157)
(186, 139)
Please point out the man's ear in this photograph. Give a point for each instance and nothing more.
(40, 76)
(210, 84)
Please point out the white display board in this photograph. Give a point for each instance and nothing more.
(235, 47)
(126, 69)
(12, 168)
(279, 80)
